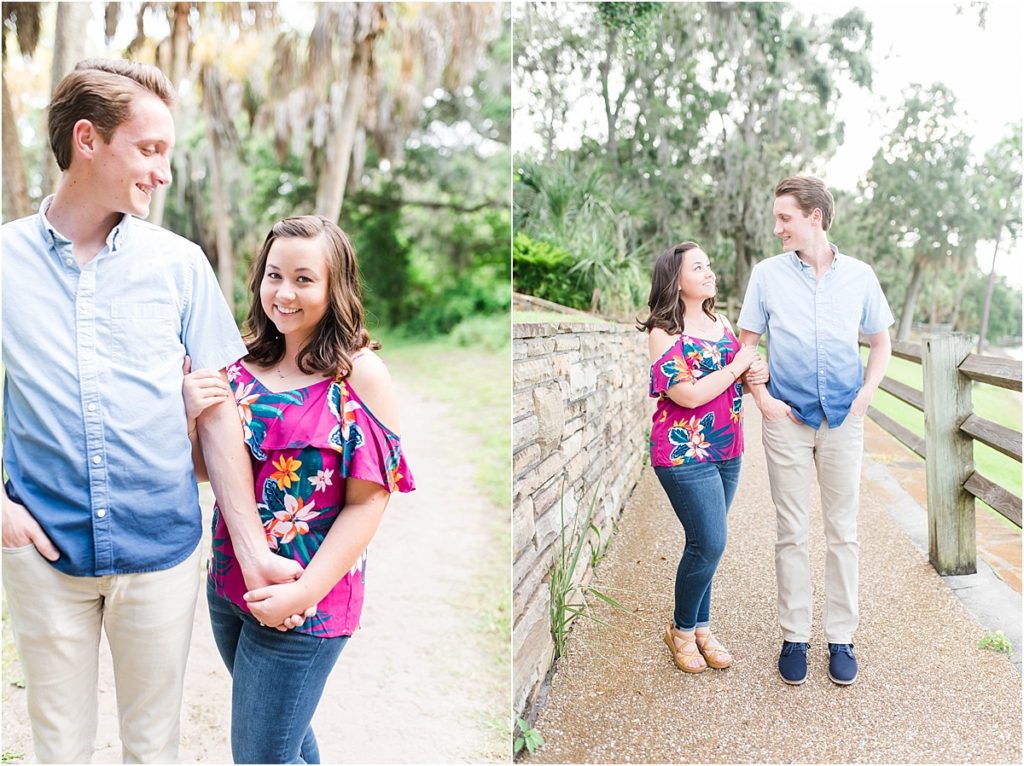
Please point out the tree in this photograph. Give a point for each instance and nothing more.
(548, 42)
(629, 24)
(705, 115)
(998, 183)
(24, 20)
(776, 88)
(175, 65)
(426, 188)
(917, 186)
(203, 38)
(363, 75)
(68, 50)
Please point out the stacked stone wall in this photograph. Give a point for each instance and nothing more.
(580, 419)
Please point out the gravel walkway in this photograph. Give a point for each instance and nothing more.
(925, 694)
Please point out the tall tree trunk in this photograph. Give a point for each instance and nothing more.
(989, 288)
(913, 290)
(604, 68)
(958, 301)
(15, 195)
(331, 193)
(68, 50)
(933, 304)
(212, 104)
(222, 219)
(179, 67)
(744, 261)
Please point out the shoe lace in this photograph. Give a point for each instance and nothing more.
(791, 647)
(846, 649)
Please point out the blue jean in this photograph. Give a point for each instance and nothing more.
(701, 494)
(276, 683)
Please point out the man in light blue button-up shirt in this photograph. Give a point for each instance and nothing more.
(813, 302)
(101, 519)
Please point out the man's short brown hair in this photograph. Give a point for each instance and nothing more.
(101, 91)
(809, 193)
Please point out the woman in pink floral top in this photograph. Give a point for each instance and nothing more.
(319, 420)
(696, 435)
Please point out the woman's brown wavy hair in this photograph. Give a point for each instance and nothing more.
(665, 302)
(341, 332)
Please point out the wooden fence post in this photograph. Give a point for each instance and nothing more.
(952, 547)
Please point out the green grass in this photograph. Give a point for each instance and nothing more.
(477, 382)
(554, 316)
(996, 404)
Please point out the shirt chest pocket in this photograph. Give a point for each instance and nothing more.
(837, 319)
(144, 332)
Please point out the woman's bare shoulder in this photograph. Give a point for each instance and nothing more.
(658, 342)
(372, 382)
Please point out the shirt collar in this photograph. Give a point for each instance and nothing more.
(836, 257)
(115, 239)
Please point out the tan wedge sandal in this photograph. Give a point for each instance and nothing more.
(711, 649)
(684, 650)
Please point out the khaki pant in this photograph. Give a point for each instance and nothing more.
(792, 450)
(56, 620)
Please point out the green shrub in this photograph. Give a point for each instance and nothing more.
(543, 270)
(490, 332)
(436, 307)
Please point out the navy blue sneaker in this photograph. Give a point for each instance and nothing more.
(842, 665)
(793, 662)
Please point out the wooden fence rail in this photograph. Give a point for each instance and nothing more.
(951, 428)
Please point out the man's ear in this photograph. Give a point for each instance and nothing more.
(84, 136)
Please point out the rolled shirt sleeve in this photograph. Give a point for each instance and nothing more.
(753, 316)
(876, 316)
(208, 330)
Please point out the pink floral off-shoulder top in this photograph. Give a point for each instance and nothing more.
(710, 432)
(304, 445)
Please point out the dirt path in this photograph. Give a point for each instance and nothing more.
(419, 682)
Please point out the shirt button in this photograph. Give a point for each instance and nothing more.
(68, 261)
(101, 512)
(91, 407)
(96, 460)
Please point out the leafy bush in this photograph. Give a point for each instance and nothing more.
(544, 271)
(489, 332)
(434, 306)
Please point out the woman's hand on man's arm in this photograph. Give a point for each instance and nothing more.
(199, 390)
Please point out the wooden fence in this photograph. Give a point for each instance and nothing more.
(951, 428)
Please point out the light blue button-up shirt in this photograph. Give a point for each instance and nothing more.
(95, 440)
(812, 327)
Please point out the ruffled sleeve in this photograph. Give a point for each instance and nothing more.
(326, 416)
(673, 367)
(370, 450)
